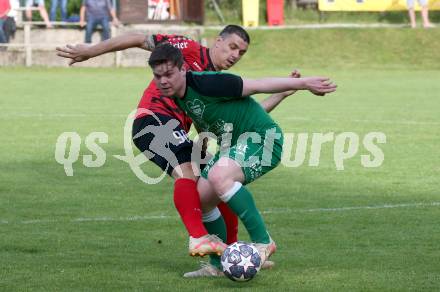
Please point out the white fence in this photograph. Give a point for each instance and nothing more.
(34, 45)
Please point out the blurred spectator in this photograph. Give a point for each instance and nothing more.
(7, 23)
(424, 12)
(41, 9)
(4, 9)
(53, 9)
(97, 12)
(15, 4)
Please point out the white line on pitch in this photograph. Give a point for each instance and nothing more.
(378, 121)
(270, 211)
(131, 218)
(58, 115)
(74, 115)
(340, 209)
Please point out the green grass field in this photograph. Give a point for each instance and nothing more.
(369, 229)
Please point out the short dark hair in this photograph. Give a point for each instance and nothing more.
(238, 30)
(164, 53)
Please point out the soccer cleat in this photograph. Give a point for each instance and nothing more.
(207, 244)
(267, 265)
(266, 250)
(208, 270)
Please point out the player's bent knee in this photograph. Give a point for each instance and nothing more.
(220, 180)
(208, 196)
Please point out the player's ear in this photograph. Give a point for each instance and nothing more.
(183, 71)
(218, 39)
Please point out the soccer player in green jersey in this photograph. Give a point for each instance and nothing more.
(250, 141)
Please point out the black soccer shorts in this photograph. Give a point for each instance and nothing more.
(170, 145)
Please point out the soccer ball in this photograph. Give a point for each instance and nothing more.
(241, 261)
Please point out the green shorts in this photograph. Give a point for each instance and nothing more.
(254, 158)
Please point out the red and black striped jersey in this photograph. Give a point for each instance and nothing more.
(196, 58)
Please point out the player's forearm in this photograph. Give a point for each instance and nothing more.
(271, 85)
(113, 14)
(274, 100)
(118, 43)
(82, 14)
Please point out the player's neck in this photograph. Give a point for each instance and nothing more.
(212, 56)
(180, 93)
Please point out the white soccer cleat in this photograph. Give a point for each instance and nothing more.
(207, 244)
(206, 270)
(267, 265)
(266, 250)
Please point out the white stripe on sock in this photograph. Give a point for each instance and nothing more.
(228, 195)
(211, 216)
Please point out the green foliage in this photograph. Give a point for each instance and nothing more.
(73, 7)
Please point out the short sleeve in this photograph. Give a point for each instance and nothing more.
(216, 84)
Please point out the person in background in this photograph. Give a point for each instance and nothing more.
(4, 9)
(97, 12)
(15, 4)
(424, 13)
(41, 9)
(53, 9)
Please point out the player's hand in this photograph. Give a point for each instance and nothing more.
(77, 53)
(295, 74)
(82, 23)
(319, 85)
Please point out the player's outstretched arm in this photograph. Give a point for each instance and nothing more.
(316, 85)
(275, 99)
(83, 52)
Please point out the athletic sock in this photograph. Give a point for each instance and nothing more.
(231, 221)
(215, 224)
(240, 200)
(187, 202)
(215, 260)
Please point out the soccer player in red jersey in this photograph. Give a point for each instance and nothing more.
(228, 48)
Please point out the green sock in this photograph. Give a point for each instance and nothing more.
(242, 204)
(215, 261)
(218, 228)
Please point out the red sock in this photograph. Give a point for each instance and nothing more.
(231, 221)
(187, 202)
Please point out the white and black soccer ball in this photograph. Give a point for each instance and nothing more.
(241, 261)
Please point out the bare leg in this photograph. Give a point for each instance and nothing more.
(425, 17)
(224, 174)
(28, 15)
(220, 179)
(208, 197)
(184, 170)
(412, 17)
(45, 16)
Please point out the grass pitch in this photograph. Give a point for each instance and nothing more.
(369, 229)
